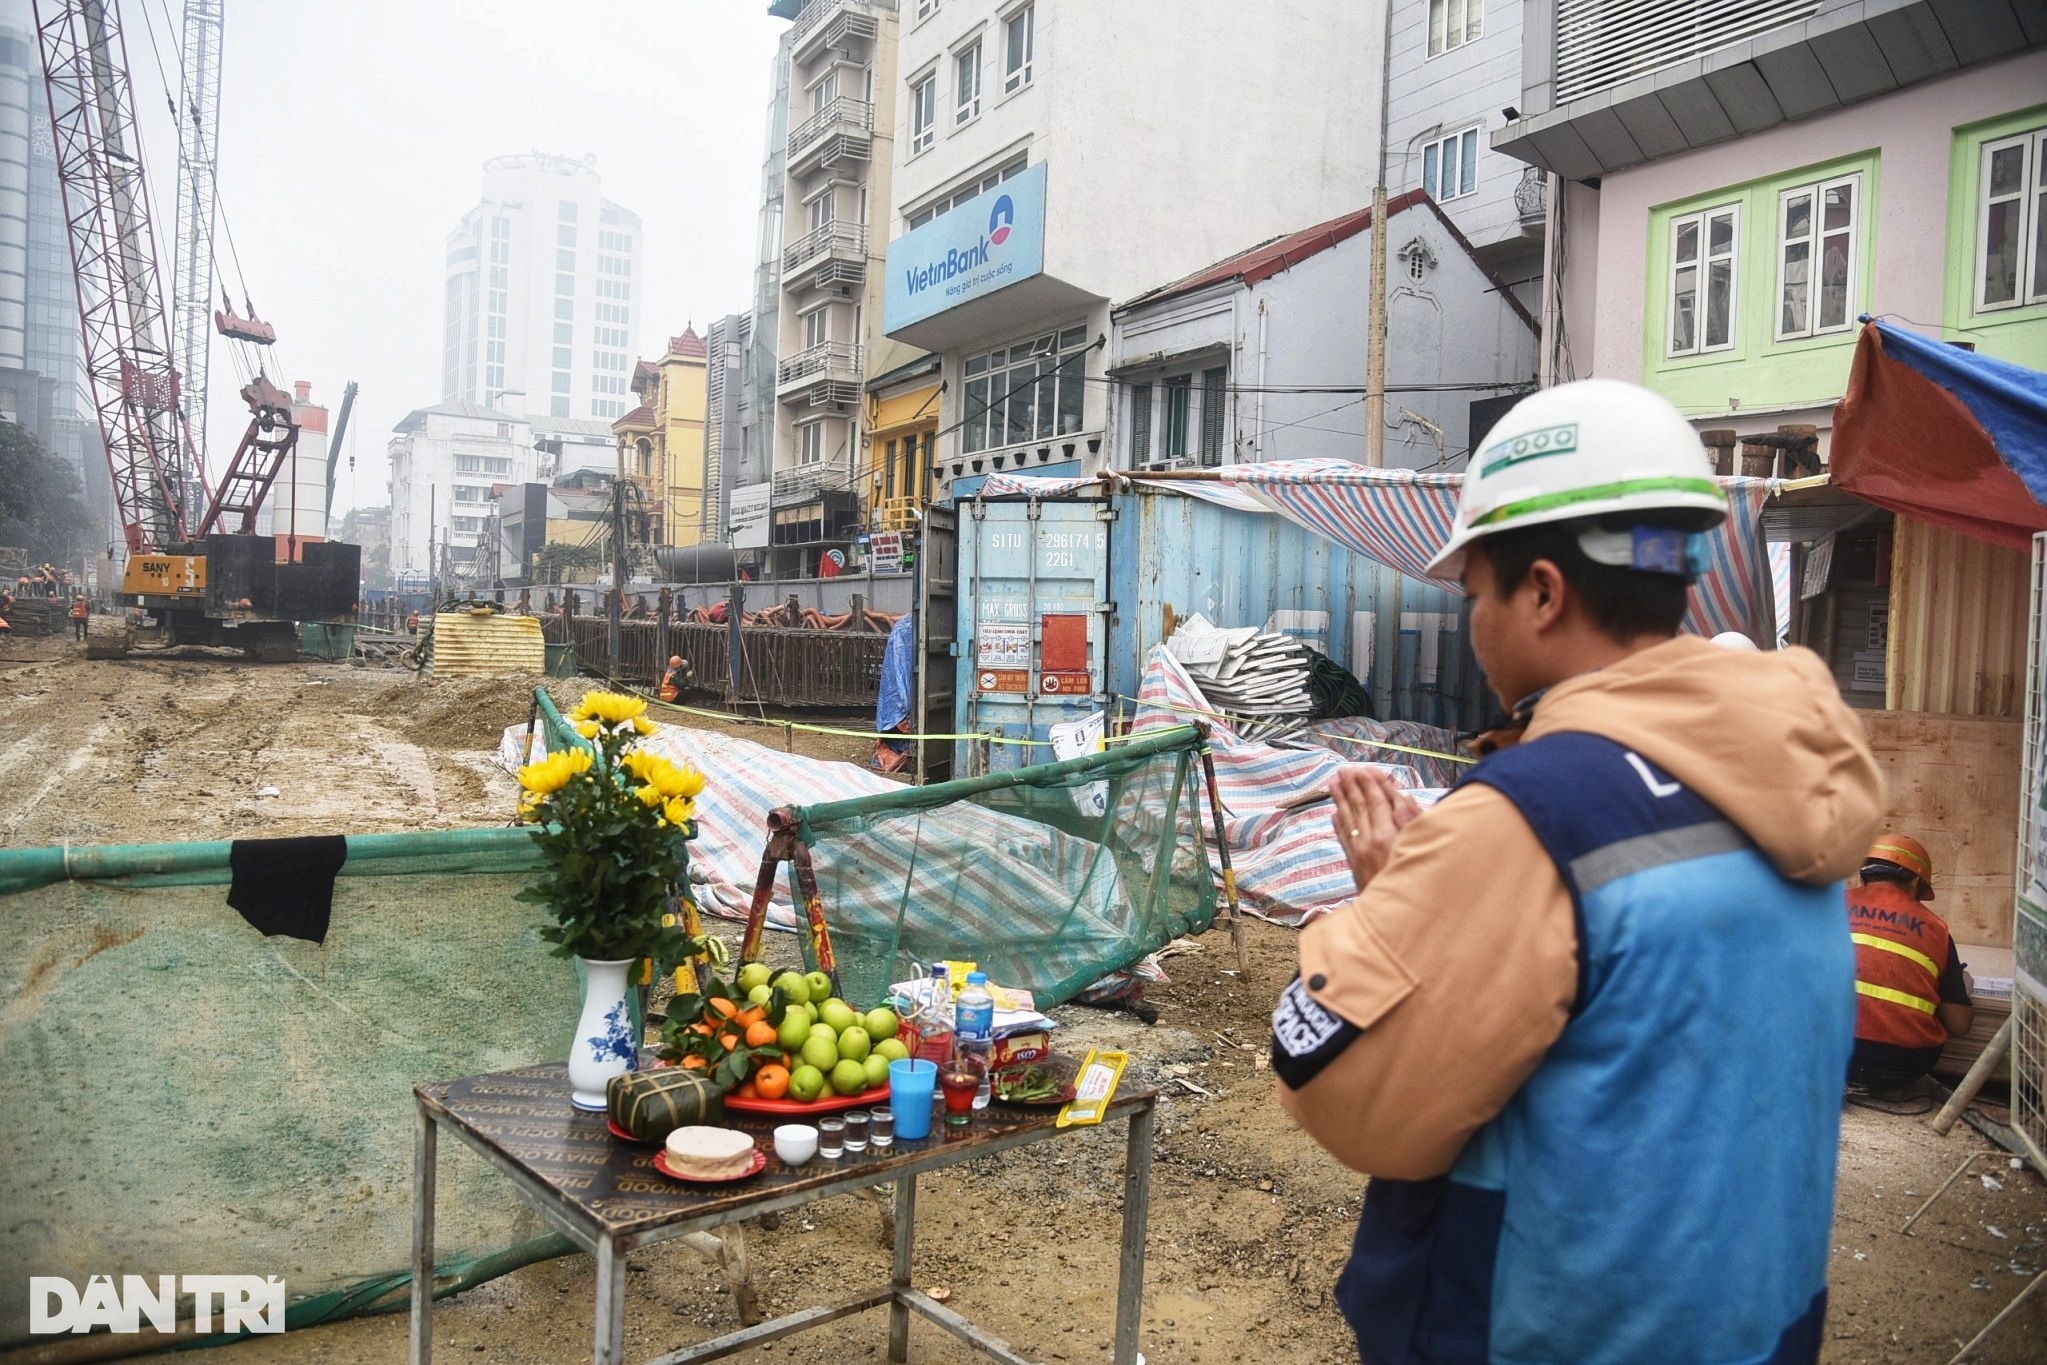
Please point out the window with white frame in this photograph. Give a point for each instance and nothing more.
(966, 85)
(1188, 411)
(817, 328)
(1450, 165)
(1816, 226)
(1702, 280)
(1031, 391)
(2011, 222)
(968, 191)
(1019, 44)
(810, 443)
(923, 113)
(1453, 23)
(926, 8)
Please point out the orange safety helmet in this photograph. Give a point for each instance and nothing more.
(1902, 850)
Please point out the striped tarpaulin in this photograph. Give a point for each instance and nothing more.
(1289, 866)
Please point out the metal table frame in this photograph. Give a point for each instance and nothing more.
(566, 1215)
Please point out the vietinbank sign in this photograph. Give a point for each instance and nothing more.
(992, 241)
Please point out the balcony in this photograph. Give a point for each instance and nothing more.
(828, 368)
(807, 480)
(843, 114)
(834, 244)
(1531, 201)
(834, 23)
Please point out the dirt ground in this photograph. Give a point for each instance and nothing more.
(1250, 1222)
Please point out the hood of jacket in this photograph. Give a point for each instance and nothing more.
(1763, 736)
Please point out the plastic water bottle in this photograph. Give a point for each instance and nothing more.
(934, 1023)
(974, 1023)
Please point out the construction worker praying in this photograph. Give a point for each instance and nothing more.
(1910, 993)
(1585, 1021)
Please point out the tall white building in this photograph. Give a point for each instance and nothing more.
(541, 310)
(1054, 157)
(447, 463)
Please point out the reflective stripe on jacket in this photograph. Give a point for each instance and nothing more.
(1900, 949)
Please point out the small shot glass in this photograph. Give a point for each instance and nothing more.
(831, 1138)
(881, 1127)
(856, 1131)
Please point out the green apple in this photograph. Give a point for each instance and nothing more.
(806, 1083)
(761, 994)
(854, 1043)
(827, 1030)
(754, 974)
(849, 1077)
(882, 1023)
(892, 1049)
(794, 987)
(839, 1015)
(794, 1031)
(820, 986)
(820, 1051)
(810, 1011)
(877, 1070)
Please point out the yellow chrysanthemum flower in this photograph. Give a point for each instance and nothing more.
(612, 708)
(679, 811)
(649, 796)
(554, 772)
(643, 726)
(588, 729)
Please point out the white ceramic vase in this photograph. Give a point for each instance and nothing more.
(604, 1045)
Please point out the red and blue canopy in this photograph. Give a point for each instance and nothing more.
(1944, 435)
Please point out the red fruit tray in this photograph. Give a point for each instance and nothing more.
(738, 1104)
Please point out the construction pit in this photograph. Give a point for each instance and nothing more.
(1250, 1222)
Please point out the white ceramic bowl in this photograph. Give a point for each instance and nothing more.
(795, 1143)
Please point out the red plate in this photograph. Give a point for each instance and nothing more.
(755, 1167)
(622, 1135)
(738, 1104)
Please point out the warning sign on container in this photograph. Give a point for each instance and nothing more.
(1005, 680)
(1066, 684)
(1000, 646)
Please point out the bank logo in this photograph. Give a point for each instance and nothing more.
(246, 1303)
(999, 220)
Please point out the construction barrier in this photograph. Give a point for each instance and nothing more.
(777, 667)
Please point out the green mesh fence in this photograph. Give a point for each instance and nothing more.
(184, 1095)
(1049, 877)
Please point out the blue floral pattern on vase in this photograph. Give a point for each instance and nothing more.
(616, 1042)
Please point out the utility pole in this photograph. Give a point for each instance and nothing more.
(617, 569)
(1375, 331)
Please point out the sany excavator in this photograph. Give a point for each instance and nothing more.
(194, 557)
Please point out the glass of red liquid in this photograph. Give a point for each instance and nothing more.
(959, 1082)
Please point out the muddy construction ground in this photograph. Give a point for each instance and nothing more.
(1250, 1221)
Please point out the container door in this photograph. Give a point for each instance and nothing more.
(937, 617)
(1034, 623)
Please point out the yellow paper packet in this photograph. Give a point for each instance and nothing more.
(956, 975)
(1094, 1089)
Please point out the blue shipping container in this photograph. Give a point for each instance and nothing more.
(1063, 599)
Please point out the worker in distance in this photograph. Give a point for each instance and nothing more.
(1911, 994)
(1586, 1021)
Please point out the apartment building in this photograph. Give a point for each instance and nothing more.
(1741, 183)
(1054, 157)
(835, 211)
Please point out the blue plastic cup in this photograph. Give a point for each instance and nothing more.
(911, 1083)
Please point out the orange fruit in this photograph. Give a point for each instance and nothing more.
(694, 1063)
(760, 1033)
(704, 1029)
(750, 1016)
(746, 1090)
(772, 1081)
(728, 1041)
(722, 1007)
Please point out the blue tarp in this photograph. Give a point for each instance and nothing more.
(893, 706)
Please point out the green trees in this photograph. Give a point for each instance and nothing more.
(42, 503)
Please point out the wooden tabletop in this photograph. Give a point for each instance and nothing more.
(525, 1116)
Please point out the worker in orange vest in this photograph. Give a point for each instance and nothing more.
(80, 612)
(1911, 996)
(678, 676)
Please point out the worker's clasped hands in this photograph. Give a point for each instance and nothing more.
(1370, 813)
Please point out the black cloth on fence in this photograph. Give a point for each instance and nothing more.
(1335, 691)
(286, 886)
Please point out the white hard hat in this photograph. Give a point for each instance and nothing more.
(1733, 639)
(1597, 448)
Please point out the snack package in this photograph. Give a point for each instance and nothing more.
(1094, 1089)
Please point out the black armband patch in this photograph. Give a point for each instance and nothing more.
(1305, 1036)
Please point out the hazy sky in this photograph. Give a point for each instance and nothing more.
(353, 135)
